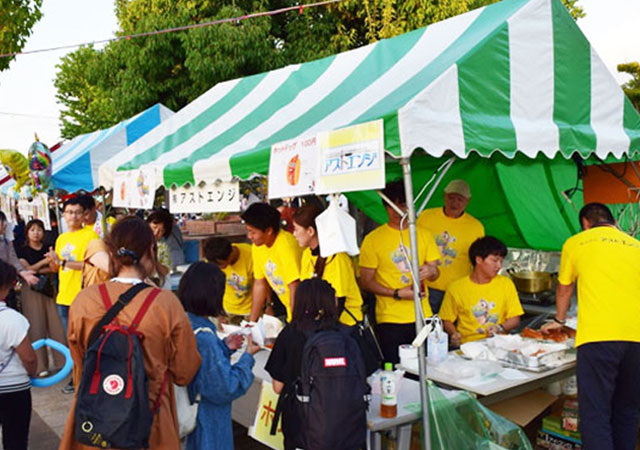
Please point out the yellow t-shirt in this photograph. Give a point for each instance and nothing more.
(453, 237)
(606, 264)
(339, 273)
(475, 306)
(381, 250)
(72, 246)
(237, 295)
(279, 264)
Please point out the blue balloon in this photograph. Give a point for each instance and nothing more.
(62, 374)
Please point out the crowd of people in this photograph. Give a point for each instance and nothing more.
(281, 273)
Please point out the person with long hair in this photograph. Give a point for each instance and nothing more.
(17, 363)
(314, 309)
(169, 345)
(38, 301)
(336, 269)
(218, 382)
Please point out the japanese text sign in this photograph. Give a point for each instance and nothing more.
(134, 188)
(224, 196)
(261, 429)
(292, 168)
(351, 159)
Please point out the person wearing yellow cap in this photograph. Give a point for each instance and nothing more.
(454, 230)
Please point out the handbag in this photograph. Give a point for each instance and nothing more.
(186, 406)
(44, 285)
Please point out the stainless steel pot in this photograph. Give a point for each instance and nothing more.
(532, 282)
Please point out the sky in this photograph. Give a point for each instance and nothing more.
(27, 95)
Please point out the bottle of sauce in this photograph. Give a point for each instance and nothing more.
(388, 393)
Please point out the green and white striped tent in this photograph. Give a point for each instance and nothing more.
(513, 89)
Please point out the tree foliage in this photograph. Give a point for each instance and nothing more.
(17, 18)
(632, 87)
(98, 88)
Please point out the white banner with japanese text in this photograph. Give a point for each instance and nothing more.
(218, 197)
(292, 168)
(135, 188)
(351, 159)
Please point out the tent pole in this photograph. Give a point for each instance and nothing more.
(415, 269)
(58, 218)
(443, 172)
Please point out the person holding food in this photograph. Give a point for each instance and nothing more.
(454, 230)
(605, 264)
(484, 303)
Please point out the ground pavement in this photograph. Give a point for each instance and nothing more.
(50, 409)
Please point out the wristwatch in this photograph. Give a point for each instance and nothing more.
(396, 294)
(63, 263)
(556, 320)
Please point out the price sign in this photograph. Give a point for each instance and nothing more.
(292, 168)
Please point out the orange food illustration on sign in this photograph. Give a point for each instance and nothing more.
(293, 170)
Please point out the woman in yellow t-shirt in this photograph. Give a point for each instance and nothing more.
(336, 269)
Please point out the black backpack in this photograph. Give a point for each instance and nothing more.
(332, 393)
(112, 405)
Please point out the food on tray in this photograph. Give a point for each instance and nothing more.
(557, 335)
(531, 333)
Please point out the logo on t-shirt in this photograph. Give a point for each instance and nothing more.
(67, 252)
(237, 283)
(399, 258)
(482, 312)
(276, 282)
(444, 241)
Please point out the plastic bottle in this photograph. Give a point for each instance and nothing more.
(388, 394)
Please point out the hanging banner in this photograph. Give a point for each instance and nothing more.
(36, 208)
(220, 197)
(134, 188)
(261, 429)
(351, 159)
(292, 168)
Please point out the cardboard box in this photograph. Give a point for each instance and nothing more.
(524, 408)
(553, 424)
(570, 415)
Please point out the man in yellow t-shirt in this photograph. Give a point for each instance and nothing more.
(237, 265)
(68, 256)
(454, 230)
(605, 264)
(276, 258)
(484, 303)
(385, 272)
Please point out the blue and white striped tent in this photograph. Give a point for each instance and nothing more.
(75, 164)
